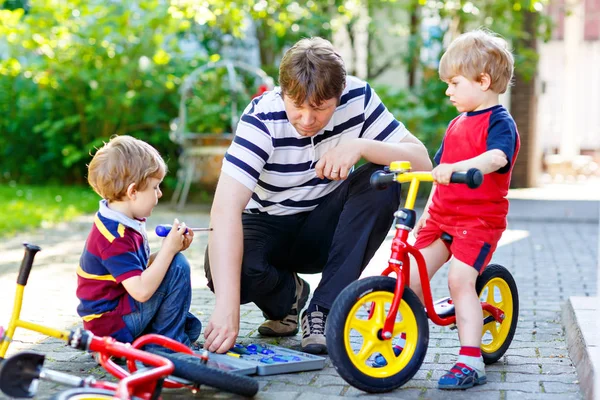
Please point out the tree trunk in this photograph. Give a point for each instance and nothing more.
(415, 48)
(523, 100)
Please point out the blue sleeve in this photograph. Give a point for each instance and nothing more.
(438, 155)
(502, 135)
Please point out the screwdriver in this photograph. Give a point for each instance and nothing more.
(164, 229)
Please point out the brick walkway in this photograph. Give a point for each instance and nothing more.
(552, 252)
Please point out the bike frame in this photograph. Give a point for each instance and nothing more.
(142, 384)
(399, 261)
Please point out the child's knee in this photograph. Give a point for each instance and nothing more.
(461, 279)
(180, 265)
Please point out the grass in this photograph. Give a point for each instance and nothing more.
(26, 207)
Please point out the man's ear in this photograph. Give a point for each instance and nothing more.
(485, 81)
(131, 191)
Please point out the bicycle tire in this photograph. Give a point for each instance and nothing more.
(87, 394)
(191, 368)
(347, 316)
(505, 296)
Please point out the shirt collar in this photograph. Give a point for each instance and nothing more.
(136, 224)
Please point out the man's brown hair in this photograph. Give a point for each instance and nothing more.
(312, 71)
(122, 161)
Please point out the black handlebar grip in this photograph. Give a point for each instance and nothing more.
(473, 178)
(380, 180)
(26, 264)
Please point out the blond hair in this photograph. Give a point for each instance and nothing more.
(122, 161)
(312, 71)
(479, 52)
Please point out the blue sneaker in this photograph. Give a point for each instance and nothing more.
(380, 361)
(461, 376)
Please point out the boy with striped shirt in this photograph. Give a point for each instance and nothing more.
(124, 291)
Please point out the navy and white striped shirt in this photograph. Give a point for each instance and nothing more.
(269, 157)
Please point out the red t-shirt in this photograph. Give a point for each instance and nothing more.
(485, 208)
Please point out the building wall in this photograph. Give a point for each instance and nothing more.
(556, 75)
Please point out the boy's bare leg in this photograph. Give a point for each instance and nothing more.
(435, 256)
(461, 281)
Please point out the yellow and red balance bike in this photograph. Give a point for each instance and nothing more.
(177, 367)
(373, 316)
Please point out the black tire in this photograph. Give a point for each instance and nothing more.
(87, 394)
(191, 368)
(345, 316)
(506, 297)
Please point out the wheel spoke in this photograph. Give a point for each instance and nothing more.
(385, 348)
(379, 313)
(494, 331)
(491, 298)
(399, 327)
(361, 326)
(365, 351)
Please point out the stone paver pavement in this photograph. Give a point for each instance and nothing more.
(550, 258)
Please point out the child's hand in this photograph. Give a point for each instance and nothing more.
(442, 173)
(187, 239)
(174, 241)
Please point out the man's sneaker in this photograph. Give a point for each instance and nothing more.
(288, 326)
(462, 376)
(313, 330)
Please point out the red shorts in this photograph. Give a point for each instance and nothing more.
(473, 246)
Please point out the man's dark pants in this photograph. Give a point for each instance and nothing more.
(338, 238)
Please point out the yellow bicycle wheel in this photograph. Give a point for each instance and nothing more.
(361, 356)
(497, 287)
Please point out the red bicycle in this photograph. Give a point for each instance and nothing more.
(146, 375)
(372, 316)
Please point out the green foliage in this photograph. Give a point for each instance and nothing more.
(76, 72)
(425, 111)
(24, 207)
(214, 102)
(73, 72)
(505, 18)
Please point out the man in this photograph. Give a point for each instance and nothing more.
(288, 200)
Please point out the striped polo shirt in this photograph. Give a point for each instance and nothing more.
(277, 164)
(116, 249)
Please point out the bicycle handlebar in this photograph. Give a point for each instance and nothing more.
(380, 180)
(473, 178)
(27, 263)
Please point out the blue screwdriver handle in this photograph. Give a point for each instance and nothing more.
(164, 229)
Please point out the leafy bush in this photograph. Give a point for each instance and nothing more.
(425, 111)
(74, 73)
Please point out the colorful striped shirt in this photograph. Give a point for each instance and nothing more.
(116, 249)
(277, 164)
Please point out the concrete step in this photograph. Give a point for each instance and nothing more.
(580, 318)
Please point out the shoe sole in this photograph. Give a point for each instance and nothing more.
(263, 330)
(480, 381)
(315, 349)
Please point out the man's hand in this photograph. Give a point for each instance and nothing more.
(442, 173)
(222, 330)
(336, 163)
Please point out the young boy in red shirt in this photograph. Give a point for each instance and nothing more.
(478, 66)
